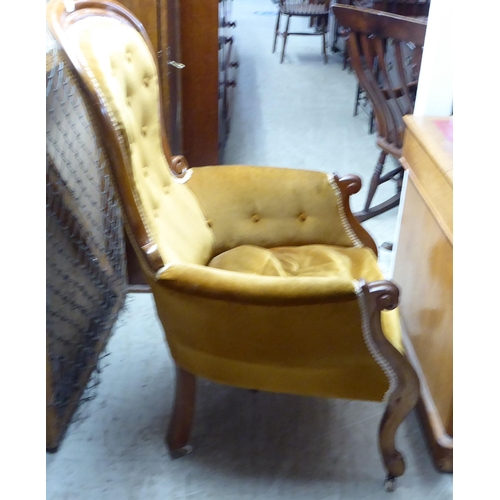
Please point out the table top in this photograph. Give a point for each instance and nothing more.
(435, 135)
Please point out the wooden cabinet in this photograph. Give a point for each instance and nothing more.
(423, 268)
(160, 18)
(208, 79)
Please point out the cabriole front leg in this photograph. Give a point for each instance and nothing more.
(404, 389)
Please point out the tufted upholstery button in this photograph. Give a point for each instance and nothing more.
(144, 130)
(209, 223)
(302, 217)
(129, 56)
(146, 81)
(256, 218)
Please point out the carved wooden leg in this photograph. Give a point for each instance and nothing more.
(375, 181)
(181, 421)
(404, 388)
(285, 37)
(276, 32)
(402, 400)
(358, 96)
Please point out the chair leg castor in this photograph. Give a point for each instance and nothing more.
(390, 483)
(181, 452)
(181, 421)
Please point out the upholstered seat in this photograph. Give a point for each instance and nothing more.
(308, 260)
(261, 276)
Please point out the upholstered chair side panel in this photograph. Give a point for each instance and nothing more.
(292, 349)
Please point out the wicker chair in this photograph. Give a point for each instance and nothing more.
(316, 10)
(385, 52)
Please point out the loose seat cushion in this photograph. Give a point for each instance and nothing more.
(319, 261)
(308, 260)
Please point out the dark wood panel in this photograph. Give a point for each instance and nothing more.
(146, 12)
(200, 81)
(171, 50)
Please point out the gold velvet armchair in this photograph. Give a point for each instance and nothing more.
(262, 277)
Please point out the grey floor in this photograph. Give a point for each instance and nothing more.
(247, 446)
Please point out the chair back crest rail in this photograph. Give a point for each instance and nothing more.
(304, 7)
(411, 8)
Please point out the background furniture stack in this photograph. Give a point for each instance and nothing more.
(316, 10)
(411, 8)
(385, 52)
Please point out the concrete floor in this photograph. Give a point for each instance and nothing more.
(247, 446)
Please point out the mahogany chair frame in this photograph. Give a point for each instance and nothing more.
(376, 296)
(389, 85)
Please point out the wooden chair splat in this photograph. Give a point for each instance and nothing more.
(377, 43)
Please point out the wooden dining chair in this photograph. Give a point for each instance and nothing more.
(411, 8)
(316, 10)
(385, 51)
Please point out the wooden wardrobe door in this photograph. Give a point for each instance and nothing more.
(200, 81)
(161, 21)
(171, 69)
